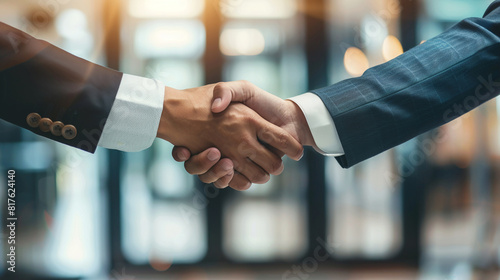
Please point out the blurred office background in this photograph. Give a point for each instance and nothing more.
(424, 210)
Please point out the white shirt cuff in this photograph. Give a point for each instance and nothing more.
(134, 118)
(320, 123)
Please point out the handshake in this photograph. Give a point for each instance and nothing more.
(233, 133)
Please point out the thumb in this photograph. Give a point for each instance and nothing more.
(222, 98)
(225, 93)
(181, 154)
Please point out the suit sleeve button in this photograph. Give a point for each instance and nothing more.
(56, 128)
(69, 132)
(33, 119)
(45, 124)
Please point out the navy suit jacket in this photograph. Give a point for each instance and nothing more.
(36, 77)
(423, 88)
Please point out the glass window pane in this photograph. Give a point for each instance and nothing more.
(264, 230)
(168, 178)
(160, 222)
(364, 210)
(178, 235)
(268, 222)
(363, 205)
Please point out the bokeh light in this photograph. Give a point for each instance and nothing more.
(165, 8)
(391, 48)
(164, 38)
(355, 62)
(258, 8)
(242, 41)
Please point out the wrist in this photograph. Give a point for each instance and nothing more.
(185, 117)
(169, 101)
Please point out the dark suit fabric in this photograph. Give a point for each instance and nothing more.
(36, 77)
(421, 89)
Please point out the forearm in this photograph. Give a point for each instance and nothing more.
(418, 90)
(36, 77)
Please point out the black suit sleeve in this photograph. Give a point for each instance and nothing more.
(36, 77)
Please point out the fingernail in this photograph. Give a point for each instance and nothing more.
(226, 166)
(216, 103)
(213, 155)
(182, 156)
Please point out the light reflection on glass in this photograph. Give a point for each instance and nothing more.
(135, 208)
(261, 71)
(168, 178)
(244, 41)
(176, 73)
(268, 222)
(264, 230)
(164, 226)
(262, 190)
(364, 219)
(72, 26)
(71, 23)
(165, 8)
(170, 38)
(178, 234)
(75, 235)
(258, 8)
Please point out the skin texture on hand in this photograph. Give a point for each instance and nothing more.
(282, 113)
(238, 133)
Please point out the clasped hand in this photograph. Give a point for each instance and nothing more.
(232, 134)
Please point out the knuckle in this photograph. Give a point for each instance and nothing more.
(189, 168)
(265, 135)
(245, 148)
(208, 177)
(245, 82)
(276, 166)
(220, 174)
(220, 85)
(220, 88)
(251, 153)
(283, 140)
(193, 167)
(236, 164)
(219, 184)
(243, 186)
(299, 152)
(259, 177)
(204, 179)
(224, 182)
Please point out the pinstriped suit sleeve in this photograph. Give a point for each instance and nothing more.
(424, 88)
